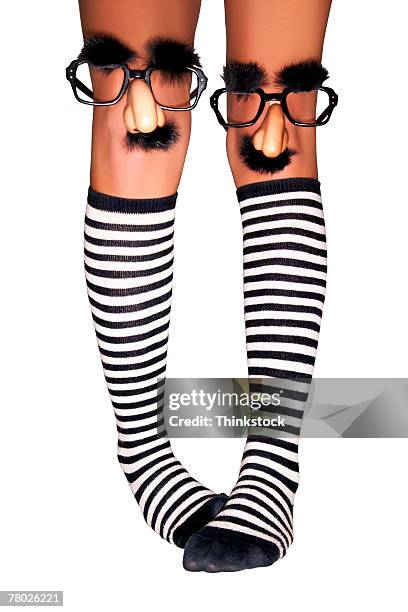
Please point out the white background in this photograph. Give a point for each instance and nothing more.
(67, 517)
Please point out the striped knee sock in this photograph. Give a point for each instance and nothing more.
(284, 284)
(128, 267)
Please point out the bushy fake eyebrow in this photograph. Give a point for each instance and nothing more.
(106, 50)
(244, 77)
(171, 55)
(303, 76)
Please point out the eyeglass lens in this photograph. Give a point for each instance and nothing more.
(100, 86)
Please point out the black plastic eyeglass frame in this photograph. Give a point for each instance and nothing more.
(278, 97)
(130, 74)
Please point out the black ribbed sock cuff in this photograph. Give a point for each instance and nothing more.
(102, 201)
(272, 187)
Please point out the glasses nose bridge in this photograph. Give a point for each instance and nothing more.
(273, 97)
(137, 74)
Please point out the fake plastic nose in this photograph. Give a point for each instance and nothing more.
(272, 137)
(142, 113)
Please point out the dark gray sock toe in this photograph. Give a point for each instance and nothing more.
(216, 550)
(199, 519)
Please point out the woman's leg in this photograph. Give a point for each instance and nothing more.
(284, 286)
(129, 258)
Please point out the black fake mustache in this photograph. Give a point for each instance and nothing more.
(257, 161)
(161, 139)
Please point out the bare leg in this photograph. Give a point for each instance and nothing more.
(275, 33)
(113, 169)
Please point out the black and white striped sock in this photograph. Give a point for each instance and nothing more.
(128, 267)
(284, 284)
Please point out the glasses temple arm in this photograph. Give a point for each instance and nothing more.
(194, 93)
(83, 88)
(324, 114)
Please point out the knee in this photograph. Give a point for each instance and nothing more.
(138, 133)
(138, 149)
(271, 150)
(136, 130)
(272, 118)
(137, 164)
(141, 123)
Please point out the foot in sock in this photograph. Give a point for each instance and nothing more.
(284, 284)
(128, 267)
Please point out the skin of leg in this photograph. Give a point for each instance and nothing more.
(115, 170)
(275, 33)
